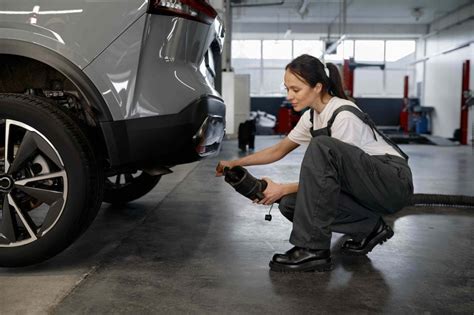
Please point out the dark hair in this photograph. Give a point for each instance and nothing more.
(311, 70)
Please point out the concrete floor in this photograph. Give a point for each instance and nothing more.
(195, 246)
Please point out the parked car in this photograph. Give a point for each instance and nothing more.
(98, 100)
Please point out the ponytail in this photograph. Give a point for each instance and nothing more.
(335, 87)
(313, 71)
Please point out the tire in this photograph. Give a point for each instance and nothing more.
(125, 187)
(55, 187)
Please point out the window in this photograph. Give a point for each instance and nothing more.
(271, 81)
(310, 47)
(348, 51)
(277, 49)
(255, 79)
(398, 49)
(344, 50)
(369, 50)
(246, 49)
(369, 82)
(265, 61)
(246, 59)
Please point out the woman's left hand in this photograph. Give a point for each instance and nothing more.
(272, 193)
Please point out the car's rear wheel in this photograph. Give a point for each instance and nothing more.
(50, 185)
(125, 187)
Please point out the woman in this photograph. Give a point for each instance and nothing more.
(350, 176)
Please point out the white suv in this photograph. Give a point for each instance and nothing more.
(98, 99)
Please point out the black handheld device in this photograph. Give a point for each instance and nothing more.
(246, 185)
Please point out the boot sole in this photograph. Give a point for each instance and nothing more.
(379, 239)
(310, 266)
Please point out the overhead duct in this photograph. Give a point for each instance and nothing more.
(342, 16)
(332, 47)
(259, 3)
(303, 8)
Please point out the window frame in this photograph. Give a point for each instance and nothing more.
(260, 90)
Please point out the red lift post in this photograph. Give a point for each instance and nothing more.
(464, 97)
(404, 114)
(348, 75)
(284, 120)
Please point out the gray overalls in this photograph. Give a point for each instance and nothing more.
(343, 189)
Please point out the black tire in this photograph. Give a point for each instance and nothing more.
(126, 187)
(54, 142)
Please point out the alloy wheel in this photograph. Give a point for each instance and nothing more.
(33, 184)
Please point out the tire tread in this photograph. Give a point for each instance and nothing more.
(93, 166)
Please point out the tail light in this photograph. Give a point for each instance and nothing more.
(197, 10)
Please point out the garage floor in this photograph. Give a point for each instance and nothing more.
(193, 245)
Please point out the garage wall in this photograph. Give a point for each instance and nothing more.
(388, 83)
(236, 95)
(372, 82)
(442, 72)
(445, 49)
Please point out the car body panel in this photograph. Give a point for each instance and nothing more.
(69, 27)
(114, 71)
(140, 66)
(130, 72)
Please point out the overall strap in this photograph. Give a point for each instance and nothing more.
(362, 116)
(366, 119)
(354, 110)
(318, 132)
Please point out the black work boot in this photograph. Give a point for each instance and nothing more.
(381, 233)
(300, 259)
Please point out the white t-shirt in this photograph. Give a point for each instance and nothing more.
(346, 127)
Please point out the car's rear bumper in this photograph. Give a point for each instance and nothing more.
(195, 132)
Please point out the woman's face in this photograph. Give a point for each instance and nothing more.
(299, 93)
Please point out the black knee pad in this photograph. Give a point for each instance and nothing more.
(244, 183)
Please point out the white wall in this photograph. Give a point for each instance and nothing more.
(420, 68)
(368, 82)
(442, 71)
(373, 82)
(228, 94)
(443, 90)
(236, 95)
(242, 100)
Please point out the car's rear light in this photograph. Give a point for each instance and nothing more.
(198, 10)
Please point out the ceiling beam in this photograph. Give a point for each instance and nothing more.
(319, 30)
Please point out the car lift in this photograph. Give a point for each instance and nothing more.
(411, 114)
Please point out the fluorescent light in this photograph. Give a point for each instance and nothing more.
(334, 45)
(42, 12)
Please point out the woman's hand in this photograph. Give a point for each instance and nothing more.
(272, 193)
(221, 165)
